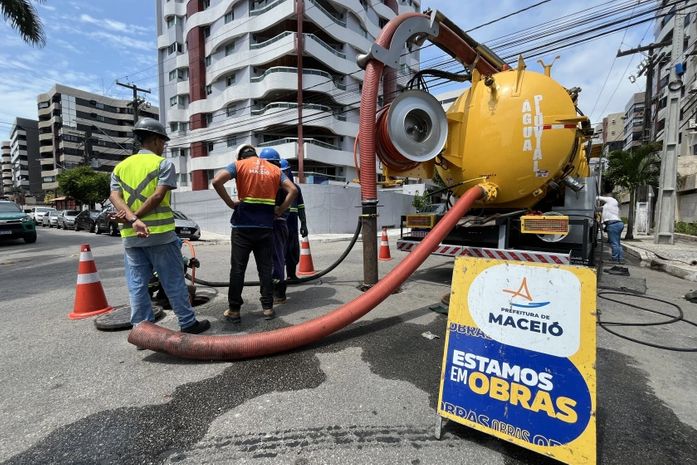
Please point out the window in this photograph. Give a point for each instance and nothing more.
(208, 61)
(43, 105)
(174, 126)
(171, 21)
(173, 75)
(229, 48)
(209, 89)
(99, 105)
(174, 47)
(230, 80)
(211, 145)
(231, 141)
(183, 127)
(184, 152)
(206, 4)
(183, 74)
(229, 16)
(230, 110)
(172, 101)
(209, 118)
(207, 32)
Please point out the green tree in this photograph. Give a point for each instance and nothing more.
(84, 184)
(632, 169)
(23, 17)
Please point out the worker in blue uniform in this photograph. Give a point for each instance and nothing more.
(297, 211)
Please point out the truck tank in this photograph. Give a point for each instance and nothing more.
(519, 129)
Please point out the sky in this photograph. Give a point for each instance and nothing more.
(92, 43)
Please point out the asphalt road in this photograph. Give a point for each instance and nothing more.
(366, 395)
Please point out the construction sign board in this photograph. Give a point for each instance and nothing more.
(519, 359)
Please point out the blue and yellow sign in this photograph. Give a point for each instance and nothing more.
(519, 359)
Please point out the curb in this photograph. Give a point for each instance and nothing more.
(650, 260)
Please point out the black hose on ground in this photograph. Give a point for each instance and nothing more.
(291, 282)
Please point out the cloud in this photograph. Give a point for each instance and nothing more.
(123, 42)
(115, 26)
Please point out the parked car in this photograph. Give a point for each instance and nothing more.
(185, 227)
(86, 220)
(15, 224)
(50, 219)
(66, 219)
(107, 223)
(38, 214)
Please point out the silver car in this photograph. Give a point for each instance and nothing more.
(50, 219)
(185, 227)
(66, 219)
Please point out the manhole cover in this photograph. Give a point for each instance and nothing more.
(120, 318)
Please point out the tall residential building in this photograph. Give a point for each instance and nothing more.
(5, 169)
(683, 15)
(230, 74)
(613, 132)
(24, 157)
(77, 127)
(634, 122)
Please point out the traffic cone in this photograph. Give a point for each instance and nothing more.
(89, 294)
(384, 254)
(306, 267)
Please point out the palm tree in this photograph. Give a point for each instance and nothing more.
(22, 16)
(632, 169)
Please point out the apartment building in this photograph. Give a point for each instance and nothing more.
(24, 157)
(5, 169)
(230, 74)
(613, 132)
(633, 130)
(78, 127)
(684, 16)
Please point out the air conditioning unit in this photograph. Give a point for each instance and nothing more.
(693, 88)
(692, 124)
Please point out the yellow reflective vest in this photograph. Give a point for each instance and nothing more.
(138, 175)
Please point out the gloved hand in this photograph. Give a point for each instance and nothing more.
(303, 230)
(194, 263)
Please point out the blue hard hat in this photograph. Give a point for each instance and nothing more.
(270, 154)
(284, 164)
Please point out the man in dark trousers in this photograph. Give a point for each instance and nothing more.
(140, 192)
(252, 221)
(297, 211)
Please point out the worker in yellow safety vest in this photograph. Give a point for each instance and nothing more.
(140, 192)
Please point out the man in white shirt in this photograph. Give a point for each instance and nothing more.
(613, 224)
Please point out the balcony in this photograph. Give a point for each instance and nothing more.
(263, 7)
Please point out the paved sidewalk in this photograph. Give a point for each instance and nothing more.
(678, 259)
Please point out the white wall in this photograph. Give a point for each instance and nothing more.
(330, 209)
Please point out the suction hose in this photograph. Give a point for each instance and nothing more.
(290, 282)
(235, 347)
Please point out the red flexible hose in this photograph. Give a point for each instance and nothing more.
(369, 97)
(202, 347)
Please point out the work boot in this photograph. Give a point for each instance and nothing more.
(232, 316)
(198, 327)
(269, 314)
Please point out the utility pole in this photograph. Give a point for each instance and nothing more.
(300, 12)
(137, 101)
(647, 68)
(667, 190)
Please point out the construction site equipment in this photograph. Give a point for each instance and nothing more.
(90, 299)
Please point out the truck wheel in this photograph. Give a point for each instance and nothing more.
(30, 238)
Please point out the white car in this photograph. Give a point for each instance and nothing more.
(38, 213)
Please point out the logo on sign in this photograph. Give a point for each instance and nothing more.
(545, 319)
(524, 293)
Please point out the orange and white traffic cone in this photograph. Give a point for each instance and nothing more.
(384, 254)
(89, 293)
(305, 267)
